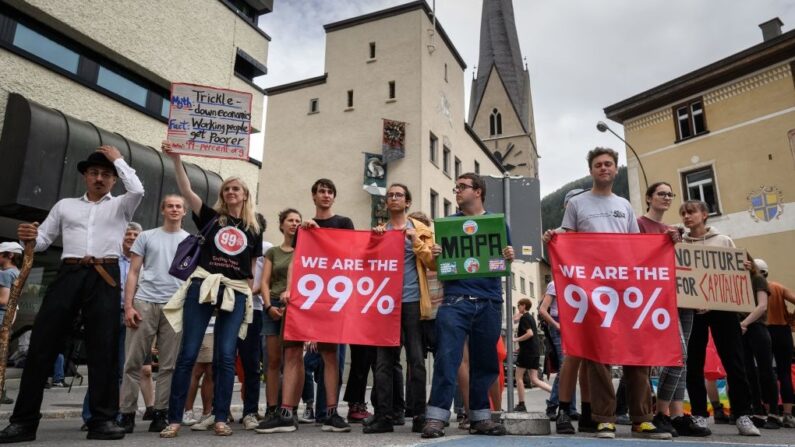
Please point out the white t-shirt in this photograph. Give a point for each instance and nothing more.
(591, 213)
(553, 307)
(257, 299)
(158, 248)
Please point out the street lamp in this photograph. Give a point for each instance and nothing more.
(602, 127)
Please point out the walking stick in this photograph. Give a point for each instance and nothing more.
(11, 308)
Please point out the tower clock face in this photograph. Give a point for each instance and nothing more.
(509, 160)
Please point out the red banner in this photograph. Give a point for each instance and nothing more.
(617, 297)
(346, 287)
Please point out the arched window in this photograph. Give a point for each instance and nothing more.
(495, 123)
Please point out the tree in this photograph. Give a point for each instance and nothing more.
(552, 204)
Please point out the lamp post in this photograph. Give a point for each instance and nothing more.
(602, 127)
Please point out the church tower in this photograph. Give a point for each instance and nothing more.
(500, 104)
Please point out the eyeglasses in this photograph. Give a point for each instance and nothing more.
(668, 195)
(461, 187)
(395, 195)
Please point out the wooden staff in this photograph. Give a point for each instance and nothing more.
(11, 308)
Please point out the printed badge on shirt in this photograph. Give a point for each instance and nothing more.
(231, 240)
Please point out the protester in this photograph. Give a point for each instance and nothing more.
(472, 307)
(759, 354)
(601, 211)
(222, 281)
(274, 289)
(148, 288)
(91, 228)
(10, 260)
(781, 338)
(726, 332)
(418, 242)
(529, 352)
(324, 193)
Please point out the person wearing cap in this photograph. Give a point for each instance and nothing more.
(778, 325)
(91, 227)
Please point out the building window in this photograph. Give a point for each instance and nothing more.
(477, 168)
(445, 72)
(690, 120)
(350, 98)
(434, 147)
(247, 68)
(40, 46)
(372, 50)
(495, 123)
(446, 160)
(391, 89)
(457, 167)
(447, 207)
(700, 185)
(121, 86)
(532, 289)
(513, 281)
(434, 204)
(522, 286)
(314, 105)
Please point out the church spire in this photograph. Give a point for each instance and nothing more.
(499, 47)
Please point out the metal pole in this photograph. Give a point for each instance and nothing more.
(506, 205)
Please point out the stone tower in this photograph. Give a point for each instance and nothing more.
(500, 106)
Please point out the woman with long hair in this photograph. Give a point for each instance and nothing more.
(274, 288)
(221, 283)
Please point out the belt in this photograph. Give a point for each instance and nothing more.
(97, 263)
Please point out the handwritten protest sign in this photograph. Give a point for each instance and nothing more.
(209, 122)
(712, 278)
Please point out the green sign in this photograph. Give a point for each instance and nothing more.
(471, 246)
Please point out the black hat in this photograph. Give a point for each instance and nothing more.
(96, 159)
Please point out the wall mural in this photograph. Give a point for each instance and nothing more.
(767, 203)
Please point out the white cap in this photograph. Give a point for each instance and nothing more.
(761, 265)
(10, 247)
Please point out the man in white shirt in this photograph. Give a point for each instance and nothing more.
(91, 228)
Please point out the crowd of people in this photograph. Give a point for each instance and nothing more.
(226, 320)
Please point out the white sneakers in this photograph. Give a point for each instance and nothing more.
(746, 426)
(250, 421)
(205, 422)
(188, 418)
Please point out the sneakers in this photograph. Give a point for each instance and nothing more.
(746, 427)
(336, 424)
(5, 399)
(417, 422)
(563, 424)
(586, 425)
(159, 421)
(204, 423)
(552, 412)
(250, 421)
(464, 424)
(788, 421)
(574, 416)
(772, 423)
(605, 430)
(379, 425)
(433, 428)
(399, 418)
(188, 418)
(487, 427)
(127, 422)
(280, 422)
(687, 425)
(623, 419)
(357, 412)
(148, 413)
(648, 430)
(720, 416)
(520, 408)
(308, 415)
(664, 422)
(59, 384)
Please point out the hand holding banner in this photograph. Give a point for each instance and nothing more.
(346, 287)
(617, 297)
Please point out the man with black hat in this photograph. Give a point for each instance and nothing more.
(92, 228)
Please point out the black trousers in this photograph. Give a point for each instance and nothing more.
(726, 332)
(387, 357)
(761, 378)
(362, 361)
(781, 337)
(76, 288)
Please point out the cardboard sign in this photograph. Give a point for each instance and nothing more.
(471, 246)
(713, 278)
(617, 297)
(346, 287)
(209, 122)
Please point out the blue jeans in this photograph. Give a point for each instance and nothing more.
(314, 366)
(249, 350)
(86, 414)
(554, 400)
(57, 373)
(195, 318)
(460, 317)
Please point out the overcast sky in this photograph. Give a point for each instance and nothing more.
(583, 55)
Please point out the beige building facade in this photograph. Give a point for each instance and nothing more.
(725, 134)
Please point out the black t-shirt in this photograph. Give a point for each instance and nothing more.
(336, 221)
(531, 344)
(758, 283)
(229, 249)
